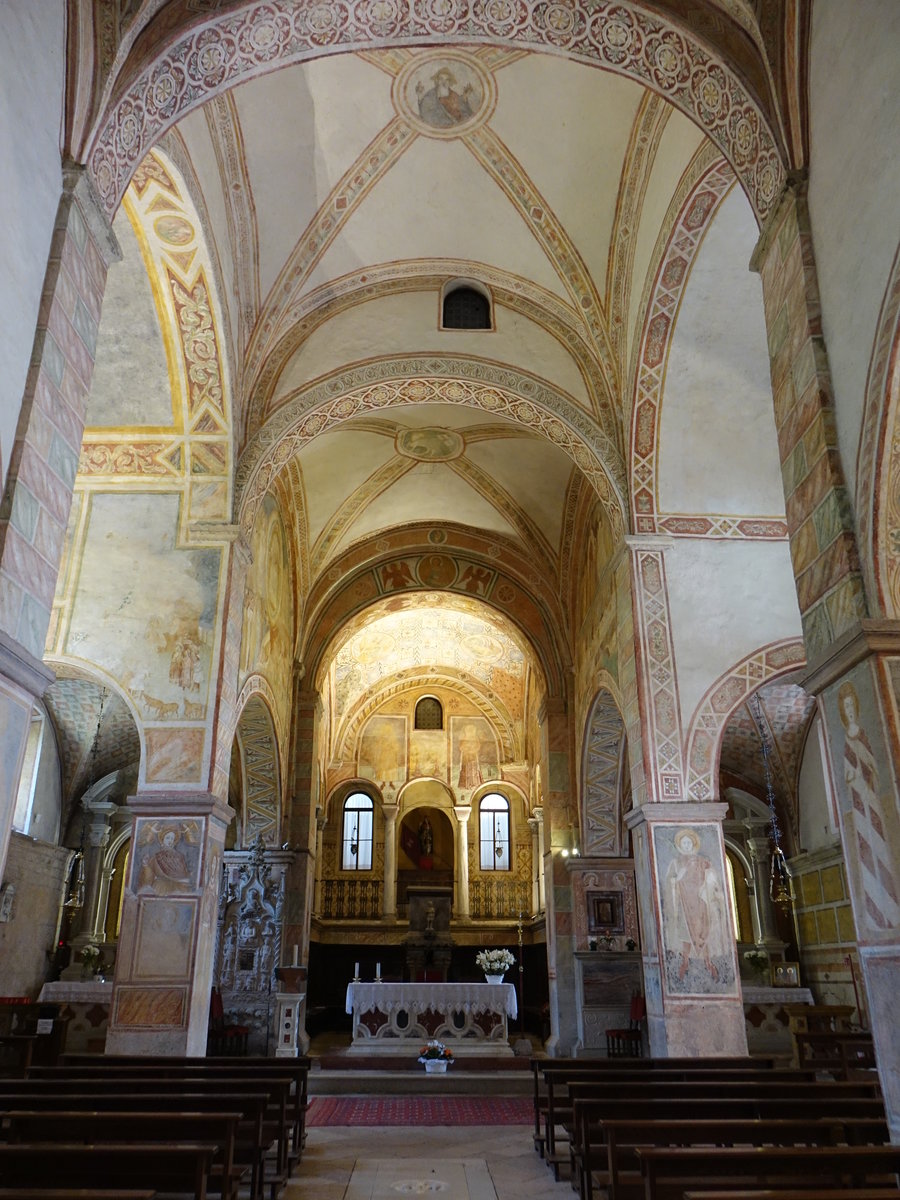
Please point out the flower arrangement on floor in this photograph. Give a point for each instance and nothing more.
(494, 962)
(434, 1050)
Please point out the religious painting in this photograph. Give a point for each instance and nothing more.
(785, 974)
(164, 939)
(430, 445)
(445, 95)
(474, 753)
(382, 750)
(698, 936)
(864, 787)
(428, 753)
(606, 912)
(166, 859)
(145, 609)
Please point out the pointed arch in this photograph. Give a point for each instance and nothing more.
(604, 761)
(258, 747)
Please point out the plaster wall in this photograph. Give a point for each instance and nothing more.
(854, 180)
(46, 807)
(718, 447)
(726, 599)
(36, 870)
(817, 826)
(32, 61)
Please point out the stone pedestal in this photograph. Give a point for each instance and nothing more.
(290, 1037)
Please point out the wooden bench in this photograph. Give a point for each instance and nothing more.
(588, 1152)
(841, 1053)
(42, 1193)
(622, 1175)
(803, 1194)
(171, 1167)
(257, 1134)
(668, 1172)
(24, 1125)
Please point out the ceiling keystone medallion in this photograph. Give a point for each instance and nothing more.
(430, 445)
(445, 94)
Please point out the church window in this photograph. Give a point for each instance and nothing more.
(493, 815)
(465, 308)
(357, 833)
(429, 713)
(25, 797)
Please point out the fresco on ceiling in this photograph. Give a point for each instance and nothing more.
(425, 636)
(428, 753)
(144, 609)
(697, 933)
(473, 758)
(444, 94)
(430, 445)
(866, 801)
(267, 625)
(595, 610)
(382, 750)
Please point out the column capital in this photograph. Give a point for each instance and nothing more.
(649, 541)
(77, 184)
(677, 811)
(23, 668)
(180, 804)
(795, 188)
(867, 637)
(462, 812)
(391, 811)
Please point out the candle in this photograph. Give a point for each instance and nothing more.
(295, 960)
(378, 970)
(356, 970)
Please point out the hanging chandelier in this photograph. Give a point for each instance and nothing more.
(780, 890)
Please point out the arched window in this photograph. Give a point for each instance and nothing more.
(429, 713)
(493, 815)
(466, 308)
(356, 852)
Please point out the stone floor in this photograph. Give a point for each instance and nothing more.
(459, 1163)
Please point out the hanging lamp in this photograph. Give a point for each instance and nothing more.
(780, 889)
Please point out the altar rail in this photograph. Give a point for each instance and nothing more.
(499, 898)
(348, 898)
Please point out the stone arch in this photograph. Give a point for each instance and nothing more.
(704, 738)
(192, 66)
(258, 747)
(878, 461)
(693, 220)
(604, 758)
(418, 379)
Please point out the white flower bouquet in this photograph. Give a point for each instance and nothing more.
(494, 962)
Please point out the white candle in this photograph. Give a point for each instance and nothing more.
(378, 970)
(295, 959)
(356, 970)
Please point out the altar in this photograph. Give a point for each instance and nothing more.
(398, 1018)
(85, 1006)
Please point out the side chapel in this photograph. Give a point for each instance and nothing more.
(450, 474)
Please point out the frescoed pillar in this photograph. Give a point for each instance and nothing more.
(462, 812)
(160, 1002)
(560, 813)
(856, 684)
(691, 980)
(389, 908)
(321, 822)
(300, 826)
(536, 825)
(38, 491)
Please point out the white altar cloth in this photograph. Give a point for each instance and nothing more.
(390, 998)
(71, 991)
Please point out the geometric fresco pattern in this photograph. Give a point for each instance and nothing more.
(602, 759)
(256, 738)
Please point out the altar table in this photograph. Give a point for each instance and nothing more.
(398, 1018)
(86, 1006)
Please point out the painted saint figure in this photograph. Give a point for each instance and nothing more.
(426, 838)
(167, 870)
(866, 815)
(696, 912)
(469, 759)
(442, 106)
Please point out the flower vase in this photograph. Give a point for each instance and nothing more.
(436, 1066)
(494, 978)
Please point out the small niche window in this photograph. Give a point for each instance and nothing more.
(493, 815)
(359, 814)
(465, 308)
(429, 713)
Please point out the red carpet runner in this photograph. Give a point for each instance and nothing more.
(426, 1110)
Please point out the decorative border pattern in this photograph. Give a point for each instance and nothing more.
(703, 525)
(722, 698)
(420, 379)
(259, 758)
(600, 777)
(616, 35)
(674, 271)
(660, 709)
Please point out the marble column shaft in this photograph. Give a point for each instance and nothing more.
(389, 906)
(462, 812)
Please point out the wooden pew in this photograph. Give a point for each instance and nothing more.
(178, 1080)
(638, 1065)
(589, 1136)
(804, 1194)
(841, 1053)
(42, 1193)
(622, 1173)
(255, 1136)
(180, 1167)
(668, 1172)
(78, 1125)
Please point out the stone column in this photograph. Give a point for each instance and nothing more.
(321, 822)
(761, 859)
(98, 814)
(536, 825)
(389, 906)
(462, 812)
(301, 828)
(160, 1002)
(44, 459)
(692, 985)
